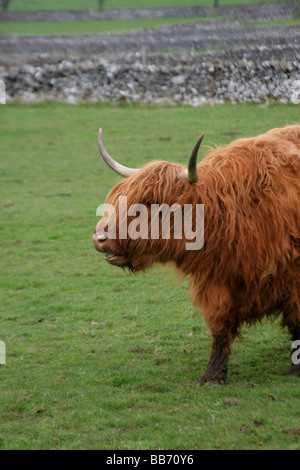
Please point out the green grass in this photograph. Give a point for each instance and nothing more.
(87, 27)
(281, 22)
(98, 358)
(113, 26)
(82, 4)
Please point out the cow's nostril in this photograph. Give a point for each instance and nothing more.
(100, 237)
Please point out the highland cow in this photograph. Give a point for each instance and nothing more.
(249, 264)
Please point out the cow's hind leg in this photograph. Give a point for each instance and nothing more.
(216, 372)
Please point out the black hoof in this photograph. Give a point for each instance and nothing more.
(208, 379)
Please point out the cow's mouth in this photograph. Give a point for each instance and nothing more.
(113, 256)
(117, 259)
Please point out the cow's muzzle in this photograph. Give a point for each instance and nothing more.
(99, 240)
(101, 243)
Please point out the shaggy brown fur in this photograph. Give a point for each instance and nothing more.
(249, 265)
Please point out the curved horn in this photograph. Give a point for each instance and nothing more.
(117, 167)
(191, 173)
(192, 167)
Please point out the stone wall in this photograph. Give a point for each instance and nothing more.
(241, 75)
(210, 61)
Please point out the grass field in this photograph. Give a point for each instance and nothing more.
(82, 4)
(281, 22)
(88, 27)
(113, 26)
(98, 358)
